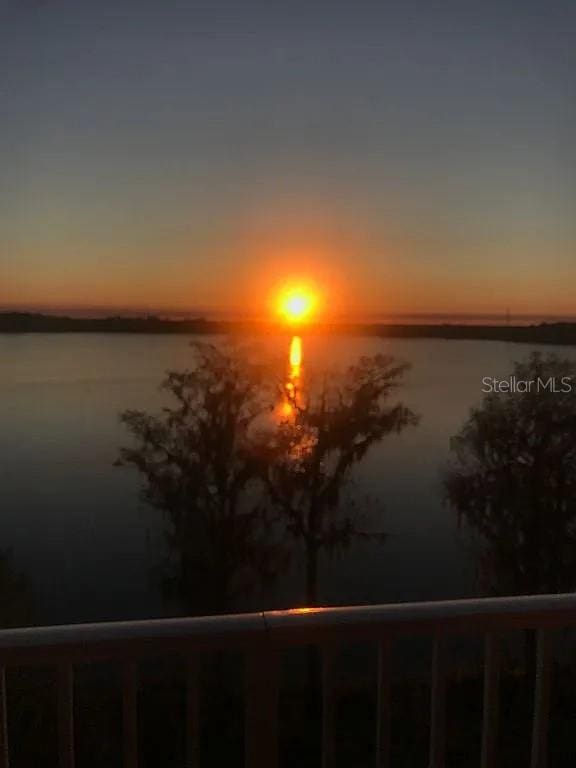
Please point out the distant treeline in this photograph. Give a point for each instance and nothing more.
(27, 322)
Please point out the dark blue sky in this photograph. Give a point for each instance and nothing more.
(172, 154)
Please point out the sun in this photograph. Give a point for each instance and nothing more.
(297, 304)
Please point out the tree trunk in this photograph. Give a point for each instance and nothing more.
(311, 574)
(313, 659)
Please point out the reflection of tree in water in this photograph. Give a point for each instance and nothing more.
(228, 475)
(512, 479)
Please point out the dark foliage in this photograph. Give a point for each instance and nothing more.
(229, 478)
(330, 428)
(199, 470)
(512, 479)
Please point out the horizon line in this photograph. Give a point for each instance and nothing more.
(99, 312)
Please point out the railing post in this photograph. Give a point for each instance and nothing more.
(192, 714)
(438, 705)
(130, 714)
(4, 752)
(329, 655)
(261, 709)
(491, 702)
(384, 704)
(542, 700)
(65, 707)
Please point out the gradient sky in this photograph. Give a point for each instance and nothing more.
(410, 156)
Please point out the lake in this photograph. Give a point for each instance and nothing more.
(78, 531)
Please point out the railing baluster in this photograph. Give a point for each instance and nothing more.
(438, 705)
(261, 709)
(542, 700)
(4, 753)
(192, 714)
(65, 695)
(263, 632)
(491, 704)
(130, 714)
(384, 704)
(328, 707)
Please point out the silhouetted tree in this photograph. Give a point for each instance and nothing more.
(328, 429)
(512, 479)
(198, 469)
(18, 601)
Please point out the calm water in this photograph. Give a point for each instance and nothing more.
(75, 525)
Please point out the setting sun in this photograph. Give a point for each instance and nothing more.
(296, 305)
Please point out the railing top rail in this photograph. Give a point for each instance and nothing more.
(102, 640)
(435, 617)
(281, 628)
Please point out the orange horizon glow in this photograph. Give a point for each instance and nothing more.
(342, 275)
(340, 291)
(353, 272)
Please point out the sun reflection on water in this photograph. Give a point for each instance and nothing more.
(295, 357)
(291, 391)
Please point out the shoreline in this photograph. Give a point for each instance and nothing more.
(544, 333)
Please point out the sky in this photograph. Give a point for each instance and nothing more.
(400, 156)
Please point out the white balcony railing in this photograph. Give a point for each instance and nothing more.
(262, 637)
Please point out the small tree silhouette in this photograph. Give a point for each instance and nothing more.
(18, 599)
(328, 430)
(512, 479)
(198, 469)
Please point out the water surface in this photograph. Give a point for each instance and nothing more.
(76, 526)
